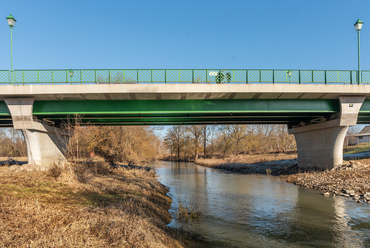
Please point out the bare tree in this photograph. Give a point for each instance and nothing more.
(175, 139)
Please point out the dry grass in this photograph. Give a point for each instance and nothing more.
(84, 205)
(188, 213)
(16, 158)
(245, 159)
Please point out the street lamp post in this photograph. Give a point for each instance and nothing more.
(11, 22)
(358, 26)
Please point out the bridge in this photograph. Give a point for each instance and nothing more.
(317, 106)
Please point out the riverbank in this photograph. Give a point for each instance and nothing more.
(273, 164)
(84, 205)
(350, 180)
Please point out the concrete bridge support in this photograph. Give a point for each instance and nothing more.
(321, 144)
(46, 144)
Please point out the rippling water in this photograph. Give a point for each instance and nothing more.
(262, 211)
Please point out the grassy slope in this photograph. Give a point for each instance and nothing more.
(83, 207)
(355, 149)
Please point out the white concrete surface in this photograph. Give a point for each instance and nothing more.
(182, 91)
(46, 144)
(45, 148)
(321, 147)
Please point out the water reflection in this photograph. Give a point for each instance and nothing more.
(263, 211)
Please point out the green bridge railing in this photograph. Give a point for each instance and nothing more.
(186, 76)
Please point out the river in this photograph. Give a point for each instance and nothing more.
(261, 211)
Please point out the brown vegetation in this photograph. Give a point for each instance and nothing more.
(131, 145)
(12, 143)
(184, 142)
(188, 213)
(271, 164)
(83, 205)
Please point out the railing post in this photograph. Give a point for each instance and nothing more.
(312, 77)
(52, 77)
(137, 76)
(246, 77)
(192, 76)
(109, 76)
(66, 76)
(325, 76)
(95, 77)
(38, 77)
(206, 76)
(165, 76)
(151, 76)
(81, 76)
(260, 76)
(299, 76)
(273, 76)
(23, 77)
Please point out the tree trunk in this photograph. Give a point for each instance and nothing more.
(178, 152)
(205, 142)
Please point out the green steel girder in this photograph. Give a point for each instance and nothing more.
(82, 107)
(168, 112)
(173, 112)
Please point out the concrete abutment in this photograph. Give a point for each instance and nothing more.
(46, 144)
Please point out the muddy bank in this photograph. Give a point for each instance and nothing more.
(84, 206)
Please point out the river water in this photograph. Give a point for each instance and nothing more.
(261, 211)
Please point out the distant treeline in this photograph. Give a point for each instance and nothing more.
(191, 141)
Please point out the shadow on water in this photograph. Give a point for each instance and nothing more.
(262, 211)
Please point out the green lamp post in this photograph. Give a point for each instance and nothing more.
(11, 22)
(358, 26)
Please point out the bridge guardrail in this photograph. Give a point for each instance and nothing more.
(186, 76)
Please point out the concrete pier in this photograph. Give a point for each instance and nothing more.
(321, 144)
(46, 144)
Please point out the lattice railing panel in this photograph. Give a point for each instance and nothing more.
(198, 76)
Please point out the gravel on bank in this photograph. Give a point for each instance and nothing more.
(352, 179)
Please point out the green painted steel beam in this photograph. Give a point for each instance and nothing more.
(82, 107)
(4, 111)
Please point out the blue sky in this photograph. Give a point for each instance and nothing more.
(269, 34)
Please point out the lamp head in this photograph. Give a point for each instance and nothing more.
(289, 72)
(11, 20)
(70, 73)
(358, 25)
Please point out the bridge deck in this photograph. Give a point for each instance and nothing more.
(120, 104)
(181, 91)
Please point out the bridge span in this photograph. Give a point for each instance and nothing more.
(318, 114)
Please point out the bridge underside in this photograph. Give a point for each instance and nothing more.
(319, 125)
(180, 112)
